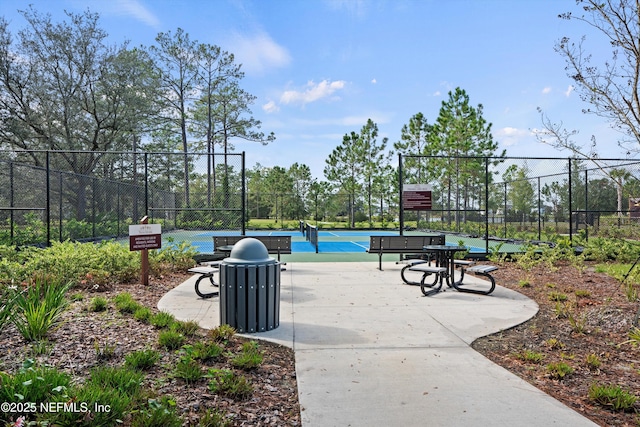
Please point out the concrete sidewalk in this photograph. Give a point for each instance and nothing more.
(371, 351)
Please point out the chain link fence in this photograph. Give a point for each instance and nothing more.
(90, 196)
(525, 198)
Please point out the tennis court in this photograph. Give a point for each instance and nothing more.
(337, 242)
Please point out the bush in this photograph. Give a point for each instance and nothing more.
(39, 307)
(141, 359)
(612, 396)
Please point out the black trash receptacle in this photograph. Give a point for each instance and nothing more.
(250, 288)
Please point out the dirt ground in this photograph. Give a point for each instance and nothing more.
(584, 321)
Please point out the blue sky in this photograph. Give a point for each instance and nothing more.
(321, 68)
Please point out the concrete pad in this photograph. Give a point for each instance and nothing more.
(373, 351)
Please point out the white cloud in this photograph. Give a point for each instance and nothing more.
(437, 93)
(259, 53)
(312, 93)
(271, 107)
(546, 90)
(374, 81)
(137, 10)
(569, 90)
(509, 136)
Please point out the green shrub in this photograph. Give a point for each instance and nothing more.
(204, 351)
(250, 357)
(162, 319)
(559, 370)
(226, 382)
(213, 418)
(39, 307)
(118, 378)
(612, 396)
(188, 369)
(143, 314)
(125, 303)
(158, 413)
(171, 340)
(33, 384)
(142, 359)
(187, 329)
(98, 304)
(222, 333)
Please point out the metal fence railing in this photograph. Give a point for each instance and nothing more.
(516, 197)
(87, 196)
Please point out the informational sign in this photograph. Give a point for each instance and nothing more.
(416, 197)
(634, 207)
(145, 236)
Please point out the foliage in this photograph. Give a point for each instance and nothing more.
(158, 413)
(250, 358)
(188, 329)
(559, 370)
(228, 383)
(70, 262)
(530, 356)
(612, 396)
(98, 303)
(125, 303)
(188, 369)
(222, 333)
(142, 359)
(170, 340)
(162, 319)
(39, 306)
(33, 383)
(173, 256)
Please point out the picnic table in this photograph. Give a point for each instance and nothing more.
(444, 271)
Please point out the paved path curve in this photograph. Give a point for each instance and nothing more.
(371, 351)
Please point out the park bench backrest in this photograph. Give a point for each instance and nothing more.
(274, 244)
(399, 243)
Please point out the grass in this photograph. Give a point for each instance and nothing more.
(39, 307)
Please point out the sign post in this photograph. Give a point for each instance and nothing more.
(142, 238)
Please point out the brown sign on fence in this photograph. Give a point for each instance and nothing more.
(416, 197)
(634, 207)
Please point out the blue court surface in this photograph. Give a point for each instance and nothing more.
(329, 241)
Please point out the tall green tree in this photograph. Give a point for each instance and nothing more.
(414, 140)
(176, 57)
(521, 192)
(461, 133)
(374, 159)
(63, 88)
(343, 170)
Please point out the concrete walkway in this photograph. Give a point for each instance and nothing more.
(371, 351)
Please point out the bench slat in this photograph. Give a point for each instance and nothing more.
(482, 269)
(427, 268)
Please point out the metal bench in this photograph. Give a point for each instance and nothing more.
(274, 244)
(403, 245)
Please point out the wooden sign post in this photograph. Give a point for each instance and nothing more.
(142, 238)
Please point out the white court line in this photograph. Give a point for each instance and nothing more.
(334, 234)
(362, 246)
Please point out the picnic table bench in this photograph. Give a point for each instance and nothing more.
(402, 245)
(425, 268)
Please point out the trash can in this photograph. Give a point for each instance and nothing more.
(250, 288)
